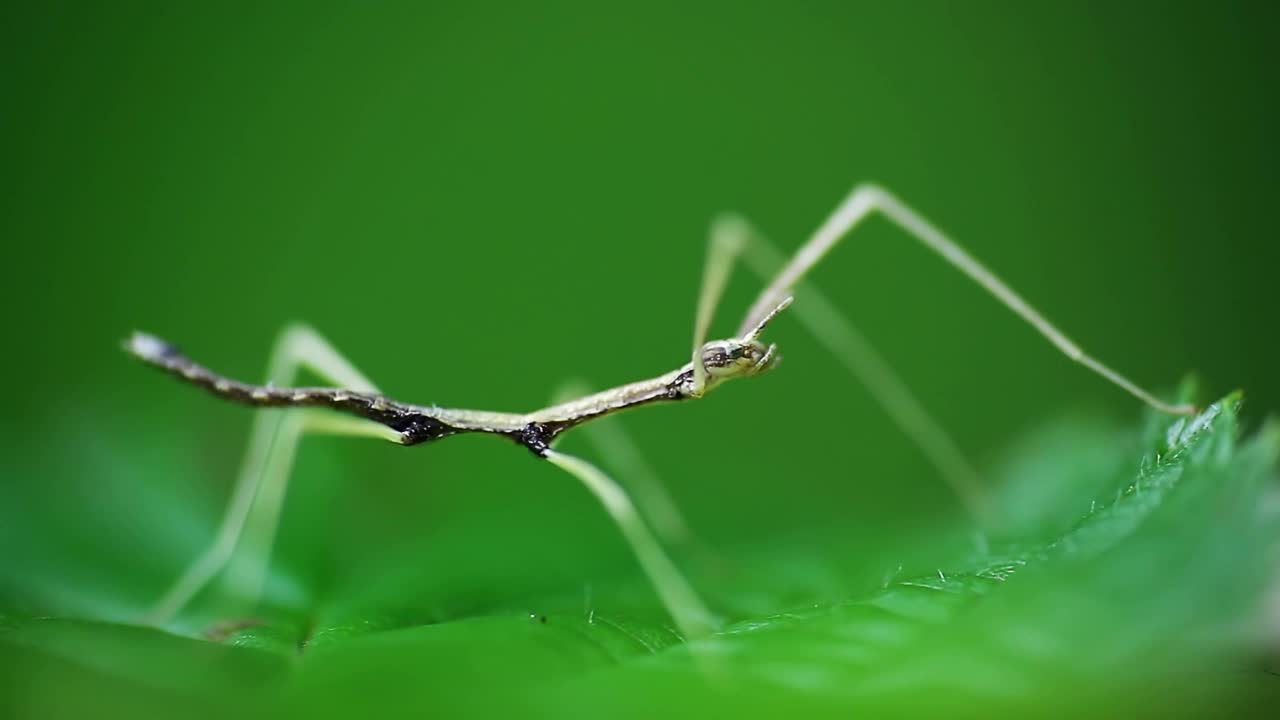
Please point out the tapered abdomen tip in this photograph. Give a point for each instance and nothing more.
(148, 347)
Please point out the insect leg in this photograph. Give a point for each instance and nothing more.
(723, 247)
(264, 470)
(843, 340)
(691, 616)
(868, 198)
(246, 572)
(613, 442)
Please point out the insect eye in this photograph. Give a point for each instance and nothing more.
(717, 358)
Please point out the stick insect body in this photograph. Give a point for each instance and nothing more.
(258, 494)
(721, 360)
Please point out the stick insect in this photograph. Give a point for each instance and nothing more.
(355, 406)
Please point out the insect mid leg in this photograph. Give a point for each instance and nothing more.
(612, 441)
(264, 471)
(690, 614)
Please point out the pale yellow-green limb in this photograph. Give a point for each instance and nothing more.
(691, 616)
(723, 247)
(272, 444)
(868, 198)
(612, 441)
(841, 338)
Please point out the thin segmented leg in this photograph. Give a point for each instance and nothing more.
(733, 236)
(261, 483)
(842, 339)
(724, 245)
(612, 441)
(691, 616)
(868, 198)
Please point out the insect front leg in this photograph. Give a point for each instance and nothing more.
(868, 198)
(839, 336)
(260, 486)
(725, 243)
(846, 343)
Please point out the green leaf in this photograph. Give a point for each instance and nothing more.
(1131, 576)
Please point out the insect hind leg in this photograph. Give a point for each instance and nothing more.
(259, 489)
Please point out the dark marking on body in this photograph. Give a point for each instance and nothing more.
(536, 437)
(676, 386)
(415, 424)
(417, 428)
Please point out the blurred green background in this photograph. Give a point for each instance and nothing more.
(477, 202)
